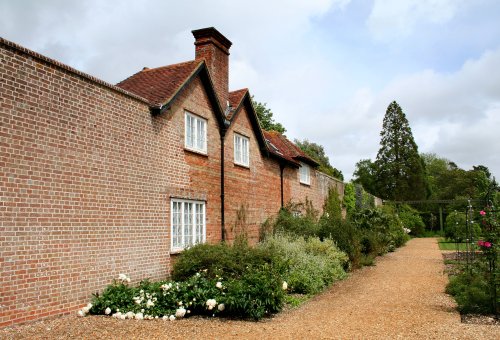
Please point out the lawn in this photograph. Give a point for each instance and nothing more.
(447, 245)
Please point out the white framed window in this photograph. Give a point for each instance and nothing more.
(305, 173)
(187, 219)
(241, 150)
(195, 133)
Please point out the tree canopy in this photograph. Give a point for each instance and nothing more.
(266, 118)
(399, 170)
(364, 174)
(448, 181)
(317, 152)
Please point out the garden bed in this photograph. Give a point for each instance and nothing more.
(453, 262)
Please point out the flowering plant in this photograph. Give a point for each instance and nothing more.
(484, 244)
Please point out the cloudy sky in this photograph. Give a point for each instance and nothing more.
(328, 69)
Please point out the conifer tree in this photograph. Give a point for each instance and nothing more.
(399, 169)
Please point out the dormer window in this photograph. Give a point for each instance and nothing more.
(305, 174)
(195, 133)
(241, 150)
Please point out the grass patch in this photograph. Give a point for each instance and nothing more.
(447, 245)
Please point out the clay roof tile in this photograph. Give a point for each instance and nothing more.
(158, 85)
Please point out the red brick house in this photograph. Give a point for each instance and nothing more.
(98, 179)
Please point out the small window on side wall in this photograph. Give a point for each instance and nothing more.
(241, 150)
(305, 173)
(195, 133)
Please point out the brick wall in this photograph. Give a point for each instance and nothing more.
(203, 173)
(252, 193)
(85, 184)
(316, 191)
(86, 179)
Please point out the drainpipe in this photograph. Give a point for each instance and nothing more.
(222, 219)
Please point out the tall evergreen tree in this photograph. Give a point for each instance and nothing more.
(399, 169)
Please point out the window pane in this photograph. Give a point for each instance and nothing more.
(244, 159)
(199, 223)
(237, 149)
(304, 174)
(201, 134)
(189, 131)
(188, 224)
(176, 224)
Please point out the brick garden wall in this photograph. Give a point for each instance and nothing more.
(316, 192)
(86, 179)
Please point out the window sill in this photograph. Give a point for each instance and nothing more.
(242, 165)
(306, 184)
(176, 251)
(197, 152)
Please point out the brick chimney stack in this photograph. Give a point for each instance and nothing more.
(212, 46)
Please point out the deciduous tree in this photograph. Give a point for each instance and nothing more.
(266, 118)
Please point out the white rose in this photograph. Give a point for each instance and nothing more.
(218, 285)
(139, 316)
(221, 307)
(171, 318)
(130, 315)
(179, 313)
(285, 285)
(211, 303)
(107, 311)
(81, 313)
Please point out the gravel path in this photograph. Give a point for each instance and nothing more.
(401, 297)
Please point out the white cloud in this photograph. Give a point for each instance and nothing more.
(392, 19)
(454, 115)
(287, 53)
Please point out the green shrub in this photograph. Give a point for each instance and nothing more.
(257, 293)
(163, 298)
(456, 229)
(412, 220)
(471, 290)
(296, 218)
(219, 259)
(346, 236)
(117, 296)
(311, 264)
(381, 230)
(349, 200)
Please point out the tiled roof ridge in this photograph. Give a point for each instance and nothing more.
(69, 69)
(146, 82)
(147, 69)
